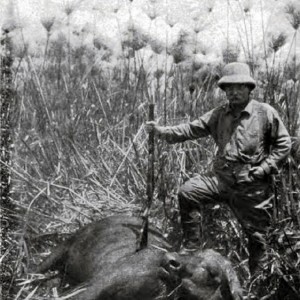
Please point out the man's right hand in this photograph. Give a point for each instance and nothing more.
(152, 125)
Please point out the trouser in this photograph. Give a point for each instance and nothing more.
(250, 202)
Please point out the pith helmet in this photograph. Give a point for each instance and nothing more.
(236, 73)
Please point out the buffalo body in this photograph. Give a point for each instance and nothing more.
(102, 258)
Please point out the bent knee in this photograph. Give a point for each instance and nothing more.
(184, 190)
(199, 188)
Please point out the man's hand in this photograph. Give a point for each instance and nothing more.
(152, 125)
(256, 173)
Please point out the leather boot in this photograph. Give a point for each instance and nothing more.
(191, 232)
(258, 256)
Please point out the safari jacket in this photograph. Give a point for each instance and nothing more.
(257, 137)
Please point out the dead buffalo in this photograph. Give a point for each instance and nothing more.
(102, 257)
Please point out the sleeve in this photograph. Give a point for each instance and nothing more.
(202, 127)
(280, 144)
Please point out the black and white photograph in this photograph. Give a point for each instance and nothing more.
(150, 149)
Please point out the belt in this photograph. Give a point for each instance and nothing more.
(221, 163)
(237, 170)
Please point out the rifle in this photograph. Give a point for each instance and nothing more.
(142, 241)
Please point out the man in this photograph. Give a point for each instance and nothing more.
(252, 141)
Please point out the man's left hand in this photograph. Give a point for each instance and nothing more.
(256, 173)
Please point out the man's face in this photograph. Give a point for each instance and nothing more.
(237, 93)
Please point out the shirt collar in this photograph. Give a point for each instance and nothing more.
(248, 109)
